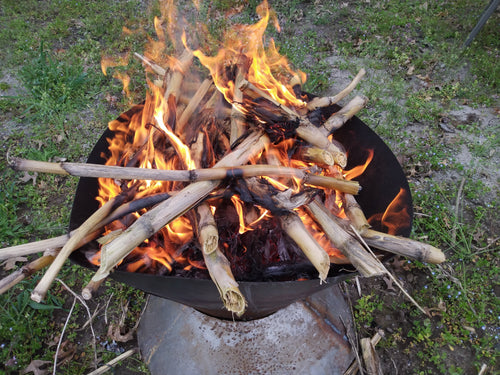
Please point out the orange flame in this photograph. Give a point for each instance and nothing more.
(396, 217)
(135, 142)
(245, 45)
(359, 170)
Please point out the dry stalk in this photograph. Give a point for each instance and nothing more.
(219, 269)
(403, 246)
(109, 365)
(58, 242)
(194, 175)
(370, 357)
(208, 234)
(315, 155)
(27, 270)
(87, 227)
(173, 83)
(62, 335)
(327, 101)
(238, 124)
(217, 264)
(193, 105)
(338, 119)
(91, 288)
(82, 301)
(165, 212)
(295, 228)
(391, 276)
(363, 261)
(148, 62)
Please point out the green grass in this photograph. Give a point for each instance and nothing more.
(464, 286)
(52, 51)
(417, 75)
(19, 340)
(54, 88)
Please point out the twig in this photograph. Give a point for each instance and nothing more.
(25, 271)
(358, 285)
(328, 101)
(88, 226)
(62, 335)
(148, 62)
(193, 175)
(353, 338)
(370, 356)
(391, 276)
(486, 248)
(457, 206)
(238, 124)
(106, 308)
(91, 288)
(82, 301)
(60, 241)
(109, 366)
(155, 219)
(338, 119)
(363, 261)
(407, 247)
(96, 311)
(483, 369)
(193, 104)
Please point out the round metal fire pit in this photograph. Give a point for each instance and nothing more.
(381, 182)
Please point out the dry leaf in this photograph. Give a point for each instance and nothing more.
(441, 307)
(388, 283)
(10, 263)
(43, 185)
(36, 367)
(67, 351)
(26, 177)
(59, 138)
(53, 341)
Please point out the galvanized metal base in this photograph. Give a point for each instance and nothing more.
(307, 337)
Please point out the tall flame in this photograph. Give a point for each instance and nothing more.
(244, 45)
(147, 137)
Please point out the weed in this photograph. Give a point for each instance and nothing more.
(54, 88)
(22, 342)
(422, 108)
(366, 306)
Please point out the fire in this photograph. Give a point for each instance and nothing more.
(150, 138)
(358, 170)
(396, 216)
(244, 45)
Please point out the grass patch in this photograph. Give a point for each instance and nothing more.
(21, 342)
(55, 89)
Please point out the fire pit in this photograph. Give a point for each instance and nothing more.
(382, 180)
(241, 244)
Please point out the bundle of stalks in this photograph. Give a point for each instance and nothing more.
(225, 136)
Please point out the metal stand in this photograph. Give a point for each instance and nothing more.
(306, 338)
(484, 17)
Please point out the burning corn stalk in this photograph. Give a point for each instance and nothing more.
(224, 134)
